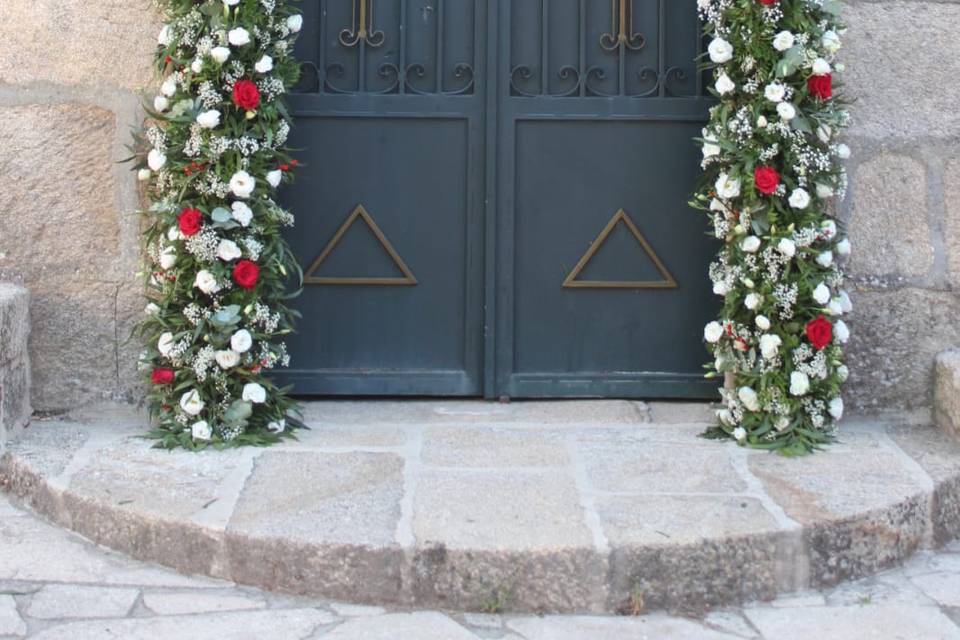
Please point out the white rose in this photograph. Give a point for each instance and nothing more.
(727, 187)
(842, 331)
(836, 408)
(220, 54)
(846, 305)
(197, 65)
(822, 293)
(228, 250)
(161, 104)
(710, 146)
(843, 247)
(264, 64)
(277, 426)
(209, 119)
(206, 282)
(231, 3)
(783, 41)
(781, 423)
(724, 84)
(786, 111)
(763, 322)
(144, 174)
(770, 345)
(253, 392)
(274, 177)
(241, 341)
(242, 184)
(843, 372)
(295, 23)
(721, 288)
(829, 229)
(799, 199)
(168, 258)
(835, 307)
(831, 41)
(201, 430)
(787, 247)
(191, 403)
(740, 434)
(227, 359)
(165, 344)
(165, 37)
(716, 205)
(749, 398)
(720, 51)
(762, 122)
(156, 159)
(238, 37)
(713, 332)
(750, 244)
(752, 301)
(821, 67)
(843, 151)
(825, 259)
(151, 309)
(824, 191)
(169, 86)
(174, 234)
(799, 383)
(824, 132)
(242, 213)
(775, 92)
(725, 417)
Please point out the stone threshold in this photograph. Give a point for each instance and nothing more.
(572, 506)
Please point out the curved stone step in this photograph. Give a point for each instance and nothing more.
(563, 507)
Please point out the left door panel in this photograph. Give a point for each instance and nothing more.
(388, 203)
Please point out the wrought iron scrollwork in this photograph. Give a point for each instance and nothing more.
(361, 28)
(621, 30)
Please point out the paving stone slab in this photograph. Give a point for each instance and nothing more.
(239, 625)
(421, 626)
(173, 603)
(866, 622)
(57, 601)
(11, 624)
(493, 447)
(579, 628)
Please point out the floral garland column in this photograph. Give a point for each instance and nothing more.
(771, 157)
(211, 157)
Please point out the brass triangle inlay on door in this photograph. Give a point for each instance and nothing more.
(360, 212)
(620, 217)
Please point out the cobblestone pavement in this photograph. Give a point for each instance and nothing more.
(54, 584)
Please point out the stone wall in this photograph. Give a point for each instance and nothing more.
(903, 208)
(14, 361)
(70, 73)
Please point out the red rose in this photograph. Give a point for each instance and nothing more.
(245, 274)
(190, 221)
(819, 332)
(162, 376)
(246, 95)
(768, 2)
(821, 86)
(767, 180)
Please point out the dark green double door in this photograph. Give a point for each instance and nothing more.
(493, 199)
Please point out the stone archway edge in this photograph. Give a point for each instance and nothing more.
(561, 515)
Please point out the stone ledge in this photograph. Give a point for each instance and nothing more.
(946, 392)
(14, 362)
(411, 514)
